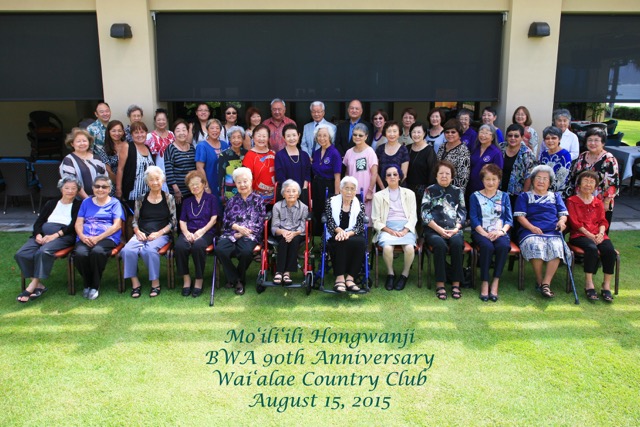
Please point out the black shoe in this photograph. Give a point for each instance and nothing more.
(186, 291)
(401, 283)
(196, 292)
(492, 297)
(390, 279)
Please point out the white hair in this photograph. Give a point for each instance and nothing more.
(154, 170)
(332, 133)
(290, 183)
(348, 180)
(242, 171)
(317, 104)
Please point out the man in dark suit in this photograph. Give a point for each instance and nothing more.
(344, 132)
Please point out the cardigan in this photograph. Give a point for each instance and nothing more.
(381, 210)
(48, 209)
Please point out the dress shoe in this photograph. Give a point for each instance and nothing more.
(186, 291)
(401, 283)
(390, 280)
(239, 288)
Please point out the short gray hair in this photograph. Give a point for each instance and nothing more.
(290, 183)
(104, 178)
(211, 121)
(240, 172)
(561, 112)
(317, 104)
(154, 170)
(234, 129)
(332, 133)
(132, 108)
(543, 168)
(278, 100)
(348, 180)
(69, 178)
(361, 127)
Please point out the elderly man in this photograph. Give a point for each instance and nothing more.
(276, 122)
(344, 131)
(98, 128)
(317, 114)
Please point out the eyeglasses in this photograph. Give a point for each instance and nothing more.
(392, 174)
(358, 135)
(202, 111)
(542, 178)
(349, 189)
(104, 187)
(513, 135)
(450, 131)
(378, 118)
(231, 113)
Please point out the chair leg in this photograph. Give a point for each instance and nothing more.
(71, 283)
(376, 261)
(420, 268)
(521, 272)
(617, 272)
(121, 284)
(4, 211)
(428, 255)
(33, 205)
(23, 283)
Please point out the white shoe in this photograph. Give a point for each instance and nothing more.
(93, 294)
(85, 292)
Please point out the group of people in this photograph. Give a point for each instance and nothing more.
(387, 174)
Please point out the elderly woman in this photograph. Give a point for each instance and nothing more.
(435, 135)
(81, 162)
(362, 164)
(134, 113)
(485, 151)
(288, 225)
(543, 217)
(99, 230)
(557, 158)
(569, 140)
(196, 225)
(345, 228)
(292, 162)
(491, 219)
(153, 222)
(242, 229)
(391, 153)
(132, 164)
(230, 160)
(588, 227)
(260, 160)
(326, 165)
(378, 120)
(394, 220)
(53, 230)
(207, 153)
(522, 117)
(599, 160)
(469, 135)
(179, 160)
(457, 153)
(444, 213)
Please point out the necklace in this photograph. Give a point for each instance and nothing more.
(291, 158)
(195, 215)
(396, 192)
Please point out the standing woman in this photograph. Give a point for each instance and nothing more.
(153, 223)
(207, 153)
(293, 163)
(230, 120)
(327, 166)
(557, 158)
(134, 113)
(422, 163)
(81, 162)
(378, 119)
(409, 117)
(253, 118)
(469, 135)
(159, 139)
(230, 160)
(199, 127)
(362, 164)
(132, 165)
(114, 143)
(196, 225)
(569, 140)
(599, 160)
(435, 135)
(491, 219)
(456, 152)
(391, 153)
(486, 151)
(522, 117)
(261, 162)
(179, 160)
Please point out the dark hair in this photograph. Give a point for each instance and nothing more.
(261, 127)
(526, 112)
(514, 127)
(206, 105)
(596, 132)
(453, 124)
(109, 144)
(137, 126)
(491, 110)
(250, 112)
(446, 164)
(439, 111)
(290, 126)
(411, 111)
(394, 165)
(491, 168)
(388, 124)
(180, 122)
(587, 174)
(551, 130)
(416, 125)
(382, 113)
(160, 111)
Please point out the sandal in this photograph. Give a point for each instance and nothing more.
(286, 278)
(546, 291)
(154, 292)
(277, 279)
(340, 287)
(22, 295)
(592, 295)
(239, 288)
(455, 292)
(606, 295)
(441, 293)
(354, 287)
(135, 292)
(37, 292)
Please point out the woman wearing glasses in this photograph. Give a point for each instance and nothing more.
(230, 120)
(362, 164)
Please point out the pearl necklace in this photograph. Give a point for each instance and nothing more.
(290, 158)
(195, 215)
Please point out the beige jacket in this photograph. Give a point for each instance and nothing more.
(380, 210)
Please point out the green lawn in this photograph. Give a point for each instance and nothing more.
(631, 131)
(521, 361)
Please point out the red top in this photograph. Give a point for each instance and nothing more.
(263, 169)
(587, 215)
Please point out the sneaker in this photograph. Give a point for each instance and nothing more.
(93, 294)
(85, 293)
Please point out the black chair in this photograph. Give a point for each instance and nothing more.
(16, 178)
(46, 134)
(635, 173)
(48, 174)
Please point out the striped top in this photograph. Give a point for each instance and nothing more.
(177, 165)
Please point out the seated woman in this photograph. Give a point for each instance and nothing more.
(53, 230)
(394, 220)
(588, 231)
(197, 219)
(491, 219)
(443, 212)
(543, 217)
(242, 229)
(81, 162)
(288, 225)
(345, 228)
(99, 230)
(153, 222)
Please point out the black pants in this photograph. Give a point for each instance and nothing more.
(197, 250)
(318, 190)
(455, 246)
(500, 247)
(348, 255)
(288, 254)
(607, 254)
(241, 249)
(91, 262)
(36, 260)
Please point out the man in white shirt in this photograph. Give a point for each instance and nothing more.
(308, 143)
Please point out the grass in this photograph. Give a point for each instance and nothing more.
(521, 361)
(631, 131)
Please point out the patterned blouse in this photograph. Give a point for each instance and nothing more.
(358, 229)
(157, 144)
(461, 159)
(606, 166)
(171, 204)
(249, 213)
(560, 162)
(525, 161)
(444, 205)
(227, 163)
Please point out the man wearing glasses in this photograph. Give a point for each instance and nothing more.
(317, 114)
(344, 134)
(276, 122)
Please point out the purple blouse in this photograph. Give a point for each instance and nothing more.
(248, 213)
(492, 154)
(197, 215)
(329, 165)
